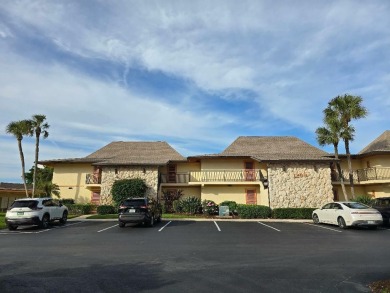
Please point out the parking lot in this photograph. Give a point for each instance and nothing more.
(193, 256)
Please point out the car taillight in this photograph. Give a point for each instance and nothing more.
(143, 207)
(122, 207)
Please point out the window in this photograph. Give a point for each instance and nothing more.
(171, 173)
(249, 172)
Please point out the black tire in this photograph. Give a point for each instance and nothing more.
(64, 217)
(121, 224)
(12, 227)
(372, 227)
(341, 223)
(158, 220)
(316, 220)
(151, 221)
(45, 222)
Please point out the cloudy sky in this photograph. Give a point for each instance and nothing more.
(196, 74)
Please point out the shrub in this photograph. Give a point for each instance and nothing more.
(125, 188)
(67, 201)
(365, 199)
(106, 209)
(191, 205)
(292, 213)
(231, 204)
(169, 197)
(80, 209)
(209, 207)
(177, 208)
(246, 211)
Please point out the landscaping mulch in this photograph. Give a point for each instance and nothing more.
(380, 286)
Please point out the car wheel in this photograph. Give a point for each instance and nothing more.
(12, 227)
(45, 222)
(151, 221)
(341, 223)
(316, 220)
(158, 220)
(64, 217)
(121, 224)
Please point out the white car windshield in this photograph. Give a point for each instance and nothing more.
(356, 205)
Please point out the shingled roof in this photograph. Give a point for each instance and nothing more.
(275, 148)
(128, 153)
(135, 153)
(379, 145)
(13, 186)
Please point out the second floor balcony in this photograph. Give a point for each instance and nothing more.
(232, 176)
(93, 179)
(364, 175)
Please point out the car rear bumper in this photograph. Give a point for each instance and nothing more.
(133, 218)
(367, 223)
(22, 221)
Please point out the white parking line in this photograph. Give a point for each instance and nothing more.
(315, 225)
(268, 226)
(37, 232)
(165, 226)
(217, 226)
(116, 225)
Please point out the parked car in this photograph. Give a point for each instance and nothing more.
(139, 210)
(35, 211)
(347, 214)
(382, 204)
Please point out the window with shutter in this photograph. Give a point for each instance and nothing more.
(251, 196)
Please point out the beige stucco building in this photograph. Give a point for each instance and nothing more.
(271, 171)
(371, 170)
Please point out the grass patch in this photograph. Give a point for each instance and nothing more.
(2, 221)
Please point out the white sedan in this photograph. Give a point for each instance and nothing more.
(347, 214)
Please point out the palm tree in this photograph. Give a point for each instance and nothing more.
(19, 129)
(38, 127)
(48, 189)
(331, 135)
(344, 109)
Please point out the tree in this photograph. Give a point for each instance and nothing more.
(330, 134)
(343, 109)
(38, 127)
(44, 174)
(128, 188)
(48, 189)
(19, 129)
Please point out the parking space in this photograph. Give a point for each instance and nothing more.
(194, 256)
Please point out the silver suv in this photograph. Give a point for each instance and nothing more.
(35, 211)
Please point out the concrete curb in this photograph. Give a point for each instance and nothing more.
(84, 218)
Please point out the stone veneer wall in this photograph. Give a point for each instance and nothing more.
(293, 185)
(129, 172)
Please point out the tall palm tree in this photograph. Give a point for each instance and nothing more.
(48, 189)
(331, 135)
(344, 109)
(19, 129)
(38, 127)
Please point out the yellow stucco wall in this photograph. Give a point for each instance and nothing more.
(228, 164)
(187, 191)
(221, 193)
(71, 180)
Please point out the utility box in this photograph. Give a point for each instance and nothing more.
(223, 211)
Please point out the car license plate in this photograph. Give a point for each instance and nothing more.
(131, 210)
(371, 222)
(20, 213)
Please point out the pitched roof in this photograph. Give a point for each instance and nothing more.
(13, 186)
(128, 153)
(135, 153)
(275, 148)
(380, 144)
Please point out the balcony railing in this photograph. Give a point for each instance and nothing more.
(367, 174)
(93, 179)
(214, 176)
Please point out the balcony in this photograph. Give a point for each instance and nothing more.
(231, 176)
(364, 175)
(91, 179)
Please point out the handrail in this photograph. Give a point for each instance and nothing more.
(93, 179)
(366, 174)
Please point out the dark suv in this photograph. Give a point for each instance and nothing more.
(139, 210)
(382, 204)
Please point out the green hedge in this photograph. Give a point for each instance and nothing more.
(80, 209)
(292, 213)
(253, 211)
(231, 204)
(67, 201)
(106, 209)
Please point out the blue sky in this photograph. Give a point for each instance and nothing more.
(196, 74)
